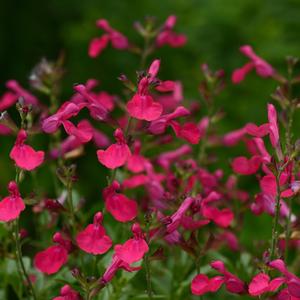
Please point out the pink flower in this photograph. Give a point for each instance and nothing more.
(25, 156)
(176, 218)
(136, 163)
(232, 138)
(122, 208)
(7, 100)
(65, 112)
(67, 293)
(165, 159)
(222, 217)
(201, 284)
(93, 238)
(49, 261)
(114, 266)
(11, 206)
(134, 249)
(241, 165)
(168, 37)
(116, 155)
(99, 105)
(291, 280)
(19, 91)
(142, 106)
(261, 67)
(274, 132)
(160, 125)
(83, 132)
(233, 283)
(189, 131)
(266, 203)
(261, 284)
(117, 39)
(257, 131)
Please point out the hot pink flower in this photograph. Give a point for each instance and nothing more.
(93, 238)
(274, 132)
(168, 37)
(233, 283)
(117, 39)
(65, 112)
(142, 106)
(116, 155)
(232, 138)
(98, 104)
(176, 218)
(266, 203)
(11, 206)
(19, 91)
(201, 284)
(7, 100)
(188, 131)
(262, 68)
(244, 166)
(170, 100)
(134, 249)
(25, 156)
(257, 131)
(49, 261)
(261, 284)
(114, 266)
(67, 293)
(136, 162)
(83, 132)
(291, 280)
(222, 217)
(165, 159)
(160, 125)
(122, 208)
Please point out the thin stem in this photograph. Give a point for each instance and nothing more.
(20, 260)
(70, 201)
(288, 230)
(19, 255)
(147, 263)
(148, 276)
(275, 234)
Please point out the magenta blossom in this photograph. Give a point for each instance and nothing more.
(25, 157)
(122, 208)
(133, 249)
(201, 284)
(93, 238)
(13, 205)
(117, 39)
(261, 67)
(116, 155)
(67, 293)
(169, 37)
(142, 105)
(49, 261)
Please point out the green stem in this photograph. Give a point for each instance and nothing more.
(288, 230)
(147, 263)
(70, 202)
(148, 276)
(20, 260)
(275, 234)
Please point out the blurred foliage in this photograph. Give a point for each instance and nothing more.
(215, 29)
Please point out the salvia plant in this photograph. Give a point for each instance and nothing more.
(168, 222)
